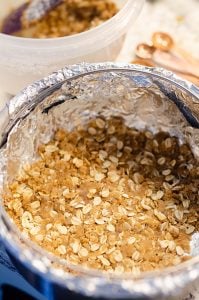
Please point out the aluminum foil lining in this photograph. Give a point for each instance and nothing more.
(146, 98)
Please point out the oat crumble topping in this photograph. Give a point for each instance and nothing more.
(110, 197)
(70, 17)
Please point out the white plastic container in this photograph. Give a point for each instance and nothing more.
(24, 60)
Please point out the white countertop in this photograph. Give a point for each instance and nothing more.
(180, 18)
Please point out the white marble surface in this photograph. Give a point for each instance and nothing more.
(162, 15)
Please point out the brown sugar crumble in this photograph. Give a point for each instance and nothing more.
(110, 197)
(70, 17)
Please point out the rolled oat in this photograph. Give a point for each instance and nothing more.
(108, 205)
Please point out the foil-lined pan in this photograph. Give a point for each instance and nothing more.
(146, 98)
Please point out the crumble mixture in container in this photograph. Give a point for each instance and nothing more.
(110, 197)
(68, 18)
(101, 43)
(99, 163)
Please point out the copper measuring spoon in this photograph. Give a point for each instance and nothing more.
(149, 63)
(166, 59)
(164, 42)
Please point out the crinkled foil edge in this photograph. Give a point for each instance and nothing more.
(37, 87)
(27, 95)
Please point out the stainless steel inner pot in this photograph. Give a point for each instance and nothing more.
(145, 98)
